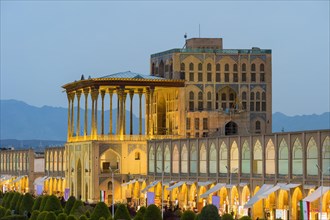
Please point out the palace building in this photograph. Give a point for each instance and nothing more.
(204, 135)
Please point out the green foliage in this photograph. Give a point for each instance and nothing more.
(227, 217)
(75, 209)
(19, 202)
(36, 204)
(69, 204)
(197, 217)
(4, 199)
(43, 202)
(88, 214)
(209, 212)
(245, 218)
(51, 216)
(152, 213)
(8, 212)
(62, 216)
(122, 212)
(71, 217)
(14, 201)
(6, 202)
(109, 218)
(140, 213)
(34, 214)
(42, 215)
(14, 217)
(188, 215)
(100, 210)
(102, 218)
(83, 217)
(52, 204)
(2, 211)
(26, 204)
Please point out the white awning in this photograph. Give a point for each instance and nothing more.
(256, 197)
(5, 177)
(129, 182)
(229, 186)
(154, 183)
(290, 186)
(40, 180)
(18, 178)
(317, 193)
(178, 184)
(204, 183)
(309, 186)
(242, 184)
(212, 190)
(190, 182)
(271, 190)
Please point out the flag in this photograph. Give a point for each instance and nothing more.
(66, 194)
(304, 209)
(102, 195)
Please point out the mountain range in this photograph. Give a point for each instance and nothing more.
(24, 125)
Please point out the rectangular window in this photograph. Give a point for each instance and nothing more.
(262, 77)
(197, 134)
(209, 77)
(263, 106)
(200, 105)
(209, 105)
(223, 106)
(258, 106)
(191, 76)
(253, 77)
(182, 75)
(205, 127)
(226, 77)
(188, 134)
(217, 77)
(197, 123)
(244, 105)
(200, 77)
(243, 77)
(188, 123)
(235, 77)
(252, 106)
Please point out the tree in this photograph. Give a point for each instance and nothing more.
(34, 214)
(140, 213)
(36, 204)
(227, 217)
(62, 216)
(209, 212)
(6, 203)
(101, 210)
(51, 216)
(19, 202)
(122, 212)
(52, 204)
(43, 202)
(26, 204)
(2, 211)
(152, 213)
(77, 204)
(188, 215)
(83, 217)
(14, 201)
(14, 217)
(42, 215)
(71, 217)
(69, 204)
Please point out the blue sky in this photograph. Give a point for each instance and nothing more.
(46, 44)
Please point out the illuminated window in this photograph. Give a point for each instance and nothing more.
(137, 155)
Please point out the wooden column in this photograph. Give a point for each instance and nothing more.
(140, 111)
(102, 113)
(86, 91)
(110, 118)
(78, 113)
(69, 116)
(131, 94)
(147, 96)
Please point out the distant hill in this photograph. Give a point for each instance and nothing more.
(25, 125)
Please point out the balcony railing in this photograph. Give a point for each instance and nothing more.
(122, 137)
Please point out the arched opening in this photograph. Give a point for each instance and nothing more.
(79, 177)
(296, 197)
(86, 192)
(231, 128)
(161, 116)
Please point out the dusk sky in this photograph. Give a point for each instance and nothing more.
(46, 44)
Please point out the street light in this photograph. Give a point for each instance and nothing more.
(321, 173)
(113, 191)
(162, 190)
(230, 173)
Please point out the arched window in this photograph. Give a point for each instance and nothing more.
(258, 127)
(209, 101)
(109, 185)
(209, 67)
(191, 67)
(223, 158)
(193, 159)
(257, 158)
(253, 67)
(167, 159)
(252, 96)
(213, 159)
(234, 156)
(297, 160)
(257, 95)
(217, 67)
(200, 96)
(191, 101)
(263, 95)
(202, 159)
(191, 95)
(243, 67)
(175, 161)
(227, 67)
(326, 155)
(184, 159)
(270, 158)
(159, 160)
(312, 157)
(262, 67)
(223, 97)
(209, 96)
(231, 97)
(151, 159)
(200, 67)
(235, 67)
(55, 161)
(183, 67)
(243, 95)
(137, 156)
(283, 160)
(200, 101)
(246, 158)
